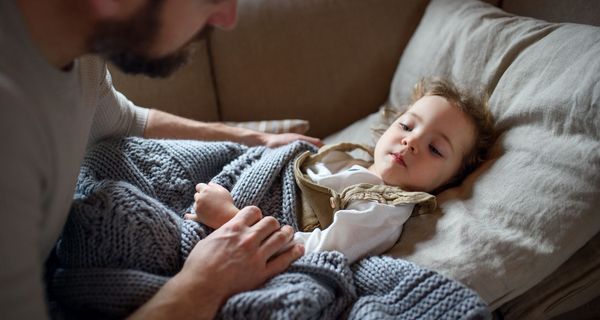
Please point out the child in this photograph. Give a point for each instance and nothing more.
(443, 135)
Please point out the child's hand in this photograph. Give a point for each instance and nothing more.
(213, 205)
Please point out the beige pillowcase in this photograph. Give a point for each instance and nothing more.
(523, 214)
(274, 126)
(358, 132)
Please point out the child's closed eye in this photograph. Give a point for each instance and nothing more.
(405, 127)
(435, 151)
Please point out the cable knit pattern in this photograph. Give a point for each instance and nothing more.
(396, 289)
(317, 286)
(125, 237)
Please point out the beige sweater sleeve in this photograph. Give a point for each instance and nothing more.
(115, 114)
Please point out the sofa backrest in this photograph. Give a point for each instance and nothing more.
(329, 62)
(575, 11)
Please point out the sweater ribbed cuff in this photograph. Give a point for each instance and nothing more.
(140, 121)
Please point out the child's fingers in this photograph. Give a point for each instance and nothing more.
(190, 216)
(200, 186)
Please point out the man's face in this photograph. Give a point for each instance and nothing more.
(154, 41)
(424, 148)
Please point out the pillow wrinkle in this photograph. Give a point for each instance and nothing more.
(534, 206)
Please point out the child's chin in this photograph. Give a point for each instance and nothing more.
(393, 181)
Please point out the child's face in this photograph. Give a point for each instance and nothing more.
(424, 148)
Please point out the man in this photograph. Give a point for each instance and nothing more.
(54, 101)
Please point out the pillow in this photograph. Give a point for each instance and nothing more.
(359, 131)
(525, 212)
(274, 126)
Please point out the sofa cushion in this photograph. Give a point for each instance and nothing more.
(576, 11)
(525, 212)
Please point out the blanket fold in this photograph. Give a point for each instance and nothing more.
(125, 237)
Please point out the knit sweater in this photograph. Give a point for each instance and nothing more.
(125, 237)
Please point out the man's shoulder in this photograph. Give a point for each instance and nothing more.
(20, 126)
(92, 63)
(17, 117)
(92, 67)
(11, 92)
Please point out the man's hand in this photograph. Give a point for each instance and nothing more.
(213, 205)
(239, 256)
(272, 140)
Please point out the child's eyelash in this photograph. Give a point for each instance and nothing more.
(435, 151)
(405, 127)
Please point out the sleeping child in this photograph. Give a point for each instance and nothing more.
(358, 207)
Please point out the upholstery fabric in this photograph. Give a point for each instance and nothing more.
(575, 11)
(329, 63)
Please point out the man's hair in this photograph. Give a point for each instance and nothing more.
(474, 106)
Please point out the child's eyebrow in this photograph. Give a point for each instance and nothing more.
(444, 136)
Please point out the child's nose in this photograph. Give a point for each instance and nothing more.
(411, 143)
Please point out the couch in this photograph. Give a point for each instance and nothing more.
(523, 230)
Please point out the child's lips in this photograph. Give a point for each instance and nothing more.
(398, 158)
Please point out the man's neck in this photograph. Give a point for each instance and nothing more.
(57, 28)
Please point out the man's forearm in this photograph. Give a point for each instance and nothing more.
(180, 298)
(164, 125)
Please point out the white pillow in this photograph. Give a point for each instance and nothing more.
(524, 213)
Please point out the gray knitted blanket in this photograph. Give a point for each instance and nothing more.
(125, 237)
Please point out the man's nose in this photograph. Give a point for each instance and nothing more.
(225, 16)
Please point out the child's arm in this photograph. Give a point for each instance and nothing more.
(213, 205)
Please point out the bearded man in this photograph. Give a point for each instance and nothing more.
(56, 97)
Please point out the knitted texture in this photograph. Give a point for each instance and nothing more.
(397, 289)
(125, 237)
(317, 286)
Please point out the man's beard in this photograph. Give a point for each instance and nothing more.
(126, 43)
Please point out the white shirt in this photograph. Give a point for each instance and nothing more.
(363, 227)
